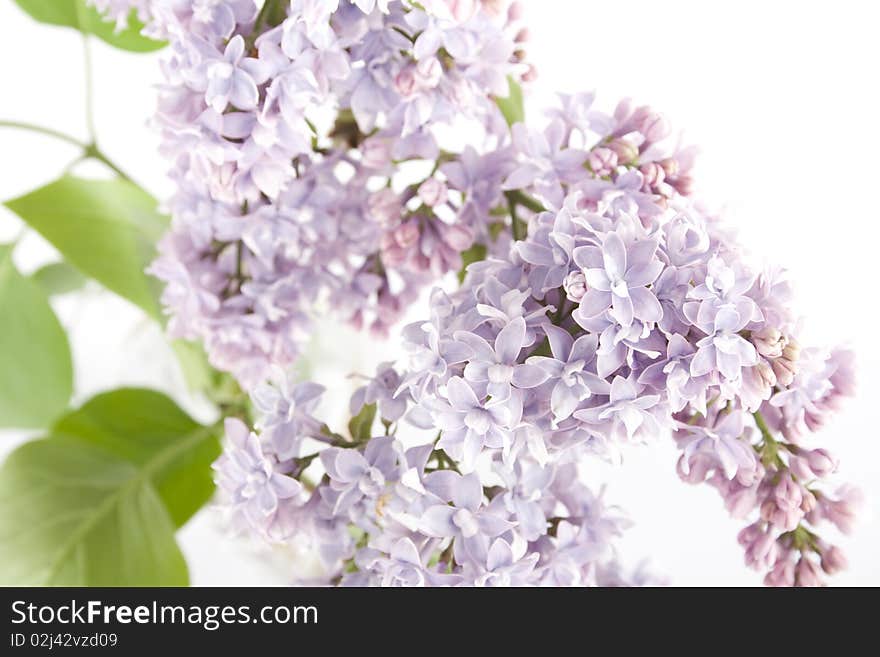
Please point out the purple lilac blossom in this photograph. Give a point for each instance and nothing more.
(609, 307)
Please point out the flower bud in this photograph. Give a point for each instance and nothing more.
(655, 128)
(515, 12)
(769, 342)
(833, 560)
(575, 285)
(670, 167)
(405, 81)
(807, 573)
(376, 153)
(602, 161)
(459, 237)
(792, 350)
(428, 73)
(765, 373)
(784, 371)
(384, 207)
(653, 175)
(821, 462)
(433, 192)
(627, 153)
(782, 574)
(800, 467)
(462, 10)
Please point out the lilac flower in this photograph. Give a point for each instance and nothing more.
(617, 277)
(568, 368)
(463, 520)
(234, 79)
(384, 391)
(286, 412)
(723, 349)
(674, 376)
(549, 250)
(354, 476)
(249, 480)
(627, 414)
(467, 425)
(504, 567)
(724, 443)
(323, 168)
(496, 367)
(547, 162)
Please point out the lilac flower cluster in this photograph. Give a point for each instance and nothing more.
(279, 211)
(603, 308)
(625, 313)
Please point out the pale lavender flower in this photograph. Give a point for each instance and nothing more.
(495, 367)
(248, 478)
(617, 277)
(233, 79)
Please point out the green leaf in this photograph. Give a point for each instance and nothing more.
(75, 515)
(512, 107)
(96, 503)
(149, 430)
(107, 229)
(78, 15)
(59, 278)
(474, 254)
(36, 372)
(360, 428)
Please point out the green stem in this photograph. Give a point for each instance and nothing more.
(272, 13)
(521, 198)
(515, 224)
(766, 434)
(21, 125)
(88, 150)
(96, 153)
(90, 104)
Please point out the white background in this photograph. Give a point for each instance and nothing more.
(782, 97)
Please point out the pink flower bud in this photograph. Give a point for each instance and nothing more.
(800, 467)
(833, 560)
(575, 285)
(762, 551)
(433, 192)
(384, 207)
(769, 342)
(655, 128)
(515, 12)
(807, 573)
(626, 152)
(522, 36)
(808, 503)
(407, 234)
(462, 10)
(782, 574)
(459, 237)
(784, 371)
(787, 493)
(653, 176)
(822, 463)
(792, 350)
(428, 73)
(376, 153)
(405, 81)
(766, 377)
(603, 161)
(670, 166)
